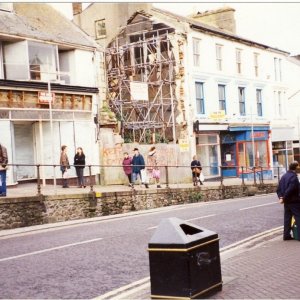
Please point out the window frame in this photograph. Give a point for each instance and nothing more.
(256, 64)
(196, 52)
(104, 33)
(219, 57)
(259, 105)
(222, 102)
(241, 96)
(280, 107)
(238, 59)
(200, 99)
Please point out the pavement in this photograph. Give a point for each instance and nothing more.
(30, 189)
(260, 267)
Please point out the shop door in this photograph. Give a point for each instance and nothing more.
(24, 151)
(229, 160)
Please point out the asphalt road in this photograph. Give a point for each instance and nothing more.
(91, 259)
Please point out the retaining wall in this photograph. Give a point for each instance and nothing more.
(36, 210)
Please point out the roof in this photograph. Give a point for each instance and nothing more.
(42, 22)
(196, 25)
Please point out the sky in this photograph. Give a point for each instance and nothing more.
(273, 23)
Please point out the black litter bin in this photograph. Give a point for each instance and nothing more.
(184, 261)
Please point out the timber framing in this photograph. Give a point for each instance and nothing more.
(145, 52)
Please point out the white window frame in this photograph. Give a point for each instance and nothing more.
(259, 104)
(242, 97)
(238, 57)
(219, 59)
(200, 99)
(256, 64)
(196, 52)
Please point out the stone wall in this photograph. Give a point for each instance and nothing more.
(28, 211)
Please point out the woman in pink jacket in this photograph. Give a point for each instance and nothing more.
(127, 167)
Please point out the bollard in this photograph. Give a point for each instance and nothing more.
(221, 169)
(254, 175)
(278, 174)
(90, 173)
(243, 180)
(262, 175)
(38, 180)
(167, 176)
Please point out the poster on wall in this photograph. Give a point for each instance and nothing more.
(139, 91)
(184, 145)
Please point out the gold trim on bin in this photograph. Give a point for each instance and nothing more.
(182, 250)
(187, 298)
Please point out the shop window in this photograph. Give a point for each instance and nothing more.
(199, 98)
(208, 153)
(242, 104)
(196, 52)
(222, 99)
(245, 154)
(259, 103)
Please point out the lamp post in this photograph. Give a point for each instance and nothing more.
(51, 131)
(252, 137)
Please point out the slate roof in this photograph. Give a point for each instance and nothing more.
(42, 22)
(196, 25)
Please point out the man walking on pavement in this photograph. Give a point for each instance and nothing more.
(3, 167)
(138, 164)
(288, 193)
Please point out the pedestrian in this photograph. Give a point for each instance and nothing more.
(288, 194)
(64, 165)
(196, 170)
(152, 168)
(3, 168)
(138, 164)
(79, 164)
(127, 167)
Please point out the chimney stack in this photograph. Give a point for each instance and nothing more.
(77, 8)
(222, 18)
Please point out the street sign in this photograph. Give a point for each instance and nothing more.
(217, 115)
(46, 98)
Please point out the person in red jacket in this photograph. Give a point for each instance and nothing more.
(127, 167)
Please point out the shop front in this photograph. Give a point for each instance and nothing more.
(242, 148)
(282, 147)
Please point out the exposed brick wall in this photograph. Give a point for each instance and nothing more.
(27, 211)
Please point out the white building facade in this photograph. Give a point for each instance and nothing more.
(238, 92)
(37, 65)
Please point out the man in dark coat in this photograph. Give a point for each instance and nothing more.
(288, 194)
(3, 168)
(138, 164)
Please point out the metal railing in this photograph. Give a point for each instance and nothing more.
(182, 174)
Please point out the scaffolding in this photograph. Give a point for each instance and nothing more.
(141, 74)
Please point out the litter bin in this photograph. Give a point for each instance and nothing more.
(184, 261)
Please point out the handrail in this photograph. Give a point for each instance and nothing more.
(257, 171)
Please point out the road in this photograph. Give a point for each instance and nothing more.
(87, 260)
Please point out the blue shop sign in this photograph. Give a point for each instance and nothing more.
(257, 135)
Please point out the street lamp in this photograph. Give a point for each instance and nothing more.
(252, 137)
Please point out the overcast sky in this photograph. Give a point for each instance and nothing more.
(272, 23)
